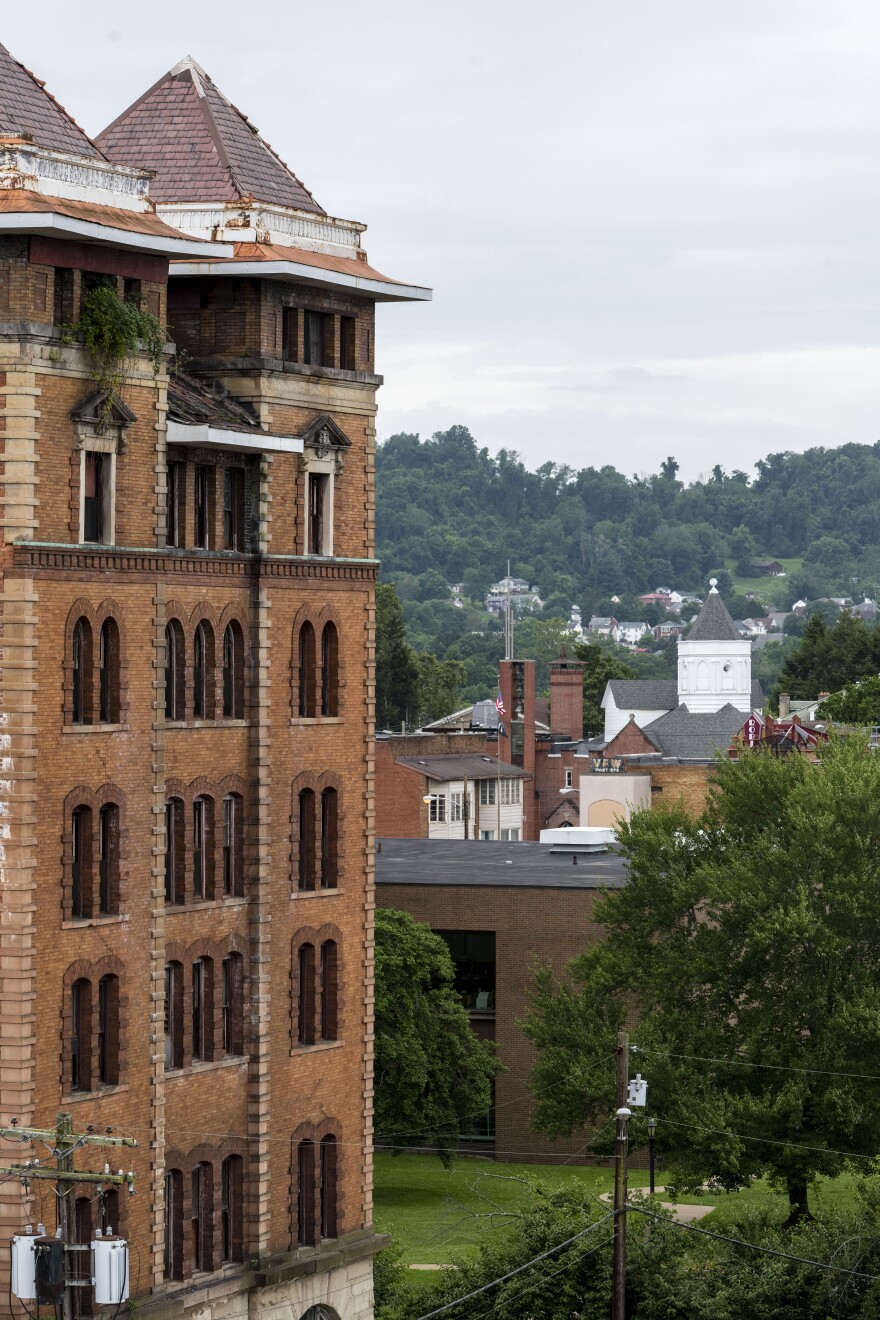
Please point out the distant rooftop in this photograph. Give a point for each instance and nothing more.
(488, 864)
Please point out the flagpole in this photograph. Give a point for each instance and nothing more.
(498, 784)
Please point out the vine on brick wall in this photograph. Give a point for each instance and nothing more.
(115, 332)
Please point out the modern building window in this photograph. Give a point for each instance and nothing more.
(175, 866)
(82, 671)
(329, 670)
(232, 997)
(175, 672)
(233, 672)
(173, 1262)
(307, 849)
(314, 339)
(176, 478)
(81, 863)
(305, 1022)
(81, 1035)
(173, 1016)
(305, 1194)
(108, 859)
(202, 1217)
(329, 990)
(318, 487)
(487, 792)
(94, 495)
(456, 807)
(328, 1187)
(233, 846)
(510, 835)
(203, 507)
(307, 662)
(486, 835)
(233, 508)
(510, 792)
(108, 1031)
(108, 673)
(347, 343)
(473, 954)
(232, 1208)
(202, 1009)
(329, 839)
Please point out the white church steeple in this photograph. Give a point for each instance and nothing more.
(714, 661)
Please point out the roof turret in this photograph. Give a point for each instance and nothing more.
(26, 108)
(713, 623)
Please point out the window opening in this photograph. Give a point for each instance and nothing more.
(108, 859)
(347, 340)
(81, 1035)
(317, 482)
(232, 990)
(108, 672)
(305, 1193)
(306, 671)
(315, 339)
(202, 510)
(305, 1034)
(233, 508)
(173, 1015)
(173, 1261)
(329, 839)
(79, 671)
(231, 1203)
(233, 673)
(328, 1187)
(174, 535)
(93, 507)
(329, 670)
(62, 307)
(329, 990)
(307, 839)
(81, 863)
(108, 1031)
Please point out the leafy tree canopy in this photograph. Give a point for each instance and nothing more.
(858, 703)
(431, 1071)
(745, 951)
(828, 657)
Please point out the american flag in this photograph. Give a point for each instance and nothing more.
(499, 704)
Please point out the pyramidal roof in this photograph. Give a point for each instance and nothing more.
(200, 146)
(713, 623)
(26, 107)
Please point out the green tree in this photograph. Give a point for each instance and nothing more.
(440, 684)
(745, 951)
(858, 703)
(601, 666)
(431, 1071)
(744, 549)
(397, 675)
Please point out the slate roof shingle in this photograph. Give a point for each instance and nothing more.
(644, 693)
(26, 107)
(698, 736)
(200, 146)
(713, 623)
(453, 766)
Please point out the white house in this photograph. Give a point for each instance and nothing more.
(604, 627)
(631, 632)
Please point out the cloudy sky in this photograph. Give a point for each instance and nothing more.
(651, 228)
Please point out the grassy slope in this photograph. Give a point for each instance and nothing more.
(436, 1214)
(760, 583)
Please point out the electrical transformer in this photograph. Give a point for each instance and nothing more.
(49, 1255)
(110, 1270)
(23, 1270)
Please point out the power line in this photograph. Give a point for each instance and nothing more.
(581, 1256)
(747, 1063)
(519, 1269)
(752, 1246)
(769, 1141)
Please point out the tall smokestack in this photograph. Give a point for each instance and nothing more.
(567, 698)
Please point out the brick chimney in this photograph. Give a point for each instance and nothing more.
(567, 698)
(784, 705)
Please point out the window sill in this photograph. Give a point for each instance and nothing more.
(72, 1097)
(94, 728)
(206, 724)
(318, 1048)
(226, 901)
(316, 893)
(83, 923)
(317, 719)
(203, 1066)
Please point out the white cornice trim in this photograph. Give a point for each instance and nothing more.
(381, 290)
(55, 225)
(180, 433)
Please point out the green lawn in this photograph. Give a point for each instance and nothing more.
(761, 583)
(435, 1215)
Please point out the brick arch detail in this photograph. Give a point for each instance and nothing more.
(96, 617)
(316, 936)
(204, 1153)
(86, 970)
(317, 618)
(327, 1127)
(95, 799)
(204, 787)
(317, 781)
(204, 947)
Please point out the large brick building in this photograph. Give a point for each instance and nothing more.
(187, 640)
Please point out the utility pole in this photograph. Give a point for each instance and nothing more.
(63, 1143)
(618, 1300)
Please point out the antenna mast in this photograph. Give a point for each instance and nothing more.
(508, 621)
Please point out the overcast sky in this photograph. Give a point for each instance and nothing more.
(651, 227)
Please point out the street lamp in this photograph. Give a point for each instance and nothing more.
(652, 1128)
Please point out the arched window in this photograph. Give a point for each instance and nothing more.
(306, 823)
(81, 1035)
(202, 1217)
(305, 1012)
(108, 655)
(175, 867)
(203, 1009)
(175, 672)
(233, 672)
(173, 1224)
(108, 859)
(329, 670)
(328, 1187)
(232, 1208)
(233, 845)
(232, 995)
(306, 671)
(108, 1031)
(173, 1016)
(329, 839)
(203, 847)
(203, 672)
(81, 863)
(329, 990)
(81, 657)
(305, 1194)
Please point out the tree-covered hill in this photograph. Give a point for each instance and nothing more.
(449, 511)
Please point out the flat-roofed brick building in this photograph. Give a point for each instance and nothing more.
(188, 625)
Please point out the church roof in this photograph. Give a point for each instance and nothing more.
(200, 146)
(713, 623)
(26, 107)
(644, 693)
(695, 736)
